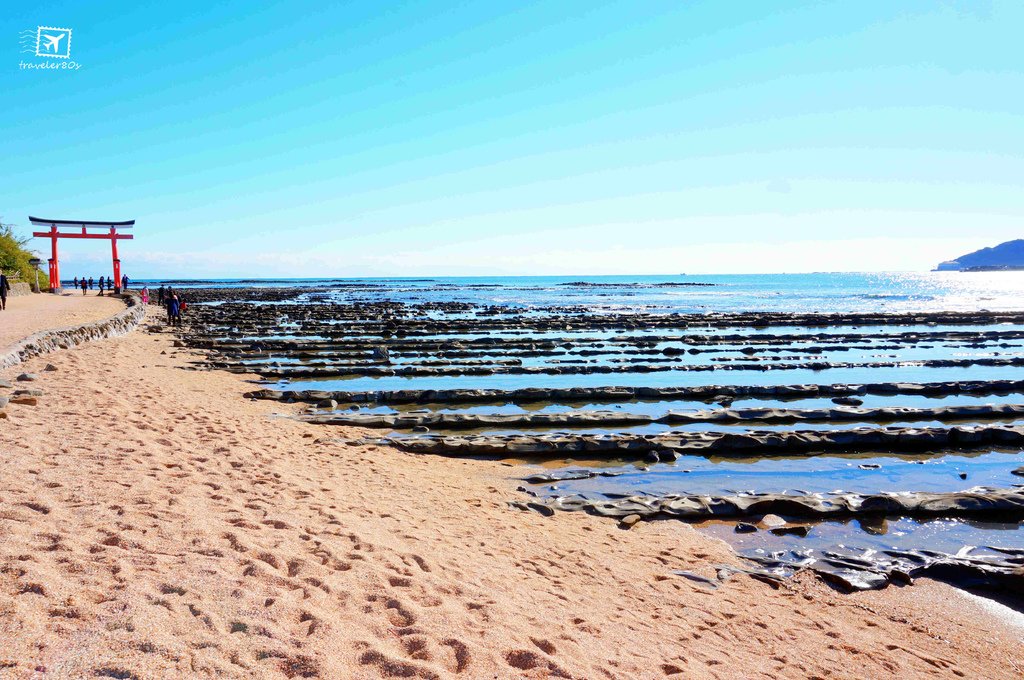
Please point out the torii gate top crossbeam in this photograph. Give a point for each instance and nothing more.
(80, 224)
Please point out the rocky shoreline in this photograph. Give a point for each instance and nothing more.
(285, 334)
(995, 567)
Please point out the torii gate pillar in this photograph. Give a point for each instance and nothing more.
(117, 260)
(54, 262)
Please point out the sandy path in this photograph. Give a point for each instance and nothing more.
(154, 524)
(28, 314)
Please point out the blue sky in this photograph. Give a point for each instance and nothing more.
(575, 137)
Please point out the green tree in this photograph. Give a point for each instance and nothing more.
(14, 256)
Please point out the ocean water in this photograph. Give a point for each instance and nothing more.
(820, 292)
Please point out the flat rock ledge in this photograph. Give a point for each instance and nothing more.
(47, 341)
(619, 394)
(324, 371)
(743, 444)
(977, 503)
(999, 569)
(995, 568)
(452, 421)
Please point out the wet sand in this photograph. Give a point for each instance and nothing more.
(156, 524)
(28, 314)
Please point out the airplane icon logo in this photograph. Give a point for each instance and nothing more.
(53, 42)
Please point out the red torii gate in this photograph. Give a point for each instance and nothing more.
(53, 234)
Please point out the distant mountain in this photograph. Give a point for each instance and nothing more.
(1009, 255)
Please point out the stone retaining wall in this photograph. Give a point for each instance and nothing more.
(20, 288)
(44, 342)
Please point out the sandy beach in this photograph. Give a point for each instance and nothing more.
(156, 524)
(28, 314)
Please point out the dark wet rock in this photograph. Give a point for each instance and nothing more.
(900, 577)
(629, 520)
(800, 530)
(421, 428)
(329, 404)
(1019, 471)
(50, 368)
(558, 476)
(697, 578)
(874, 525)
(774, 578)
(851, 580)
(745, 528)
(847, 401)
(869, 466)
(33, 392)
(27, 377)
(541, 508)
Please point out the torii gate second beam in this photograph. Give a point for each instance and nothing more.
(53, 234)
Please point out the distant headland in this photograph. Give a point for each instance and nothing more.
(1008, 256)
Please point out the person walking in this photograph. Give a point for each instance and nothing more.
(74, 284)
(173, 312)
(102, 283)
(84, 284)
(145, 295)
(124, 282)
(160, 295)
(5, 287)
(90, 283)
